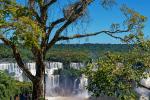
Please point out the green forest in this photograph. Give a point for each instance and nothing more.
(75, 52)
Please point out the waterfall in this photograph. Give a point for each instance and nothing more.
(82, 86)
(52, 81)
(12, 69)
(55, 86)
(77, 65)
(143, 92)
(75, 84)
(31, 67)
(67, 86)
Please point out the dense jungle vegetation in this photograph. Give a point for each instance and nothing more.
(75, 52)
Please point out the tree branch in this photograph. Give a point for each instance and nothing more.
(53, 24)
(110, 33)
(50, 3)
(6, 26)
(35, 13)
(43, 10)
(37, 16)
(53, 41)
(18, 58)
(75, 14)
(141, 85)
(46, 39)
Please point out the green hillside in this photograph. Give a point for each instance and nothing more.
(68, 52)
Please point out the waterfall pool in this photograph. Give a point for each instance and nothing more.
(66, 98)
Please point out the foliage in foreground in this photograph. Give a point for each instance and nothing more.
(24, 87)
(117, 75)
(7, 87)
(10, 87)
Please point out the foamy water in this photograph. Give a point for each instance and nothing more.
(66, 98)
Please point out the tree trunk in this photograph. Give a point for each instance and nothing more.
(37, 89)
(38, 83)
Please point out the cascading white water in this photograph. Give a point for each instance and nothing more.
(31, 67)
(143, 92)
(82, 86)
(75, 84)
(52, 81)
(77, 65)
(55, 91)
(12, 69)
(53, 87)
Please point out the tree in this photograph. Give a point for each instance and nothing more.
(118, 75)
(7, 86)
(31, 26)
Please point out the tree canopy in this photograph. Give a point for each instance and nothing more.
(117, 75)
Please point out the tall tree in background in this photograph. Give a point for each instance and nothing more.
(33, 27)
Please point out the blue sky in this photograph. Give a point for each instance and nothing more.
(101, 19)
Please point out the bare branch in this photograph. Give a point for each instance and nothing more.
(7, 42)
(37, 16)
(53, 24)
(54, 40)
(17, 57)
(143, 86)
(57, 22)
(6, 26)
(50, 3)
(75, 14)
(110, 33)
(31, 3)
